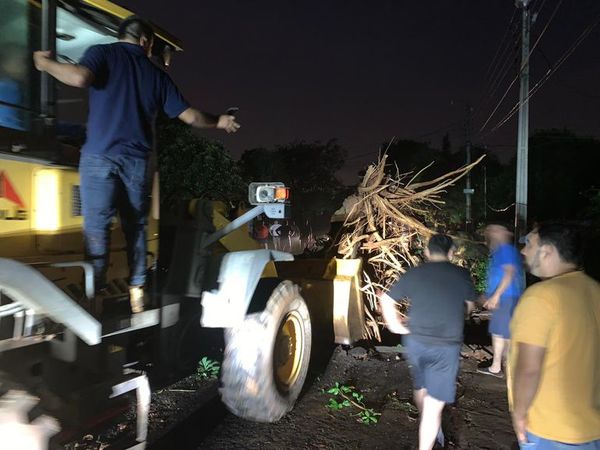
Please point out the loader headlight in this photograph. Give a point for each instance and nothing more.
(268, 193)
(46, 201)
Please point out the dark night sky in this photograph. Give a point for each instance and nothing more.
(363, 72)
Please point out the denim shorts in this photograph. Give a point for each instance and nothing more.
(500, 322)
(538, 443)
(433, 367)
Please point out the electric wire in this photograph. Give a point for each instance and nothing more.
(499, 75)
(501, 46)
(525, 64)
(499, 210)
(506, 60)
(500, 68)
(550, 71)
(492, 71)
(509, 63)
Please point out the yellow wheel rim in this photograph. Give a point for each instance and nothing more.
(289, 345)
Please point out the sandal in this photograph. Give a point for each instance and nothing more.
(487, 371)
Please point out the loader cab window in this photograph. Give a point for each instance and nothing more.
(74, 36)
(78, 26)
(19, 85)
(77, 29)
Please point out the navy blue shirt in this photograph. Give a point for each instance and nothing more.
(127, 93)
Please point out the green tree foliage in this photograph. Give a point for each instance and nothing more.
(260, 164)
(563, 170)
(193, 166)
(412, 156)
(593, 209)
(563, 177)
(308, 168)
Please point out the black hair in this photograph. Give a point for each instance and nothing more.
(566, 237)
(135, 27)
(440, 244)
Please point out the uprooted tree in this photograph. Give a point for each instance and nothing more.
(387, 221)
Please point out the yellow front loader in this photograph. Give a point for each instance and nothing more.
(75, 354)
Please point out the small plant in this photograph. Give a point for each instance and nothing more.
(368, 416)
(208, 369)
(347, 397)
(335, 405)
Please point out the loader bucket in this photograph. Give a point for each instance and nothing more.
(348, 306)
(332, 292)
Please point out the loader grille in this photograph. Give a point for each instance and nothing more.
(75, 201)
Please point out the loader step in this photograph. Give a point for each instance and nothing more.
(148, 318)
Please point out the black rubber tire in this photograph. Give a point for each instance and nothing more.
(249, 386)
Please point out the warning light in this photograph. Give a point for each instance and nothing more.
(282, 193)
(268, 193)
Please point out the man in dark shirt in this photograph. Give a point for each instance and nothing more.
(126, 92)
(437, 291)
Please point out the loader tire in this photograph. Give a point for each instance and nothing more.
(266, 357)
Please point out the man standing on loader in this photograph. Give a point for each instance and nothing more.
(126, 91)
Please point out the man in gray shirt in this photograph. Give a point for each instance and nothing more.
(438, 292)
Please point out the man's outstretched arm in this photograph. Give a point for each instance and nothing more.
(70, 74)
(199, 119)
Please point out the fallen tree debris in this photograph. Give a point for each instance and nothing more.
(386, 224)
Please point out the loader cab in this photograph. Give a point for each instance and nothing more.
(42, 128)
(39, 117)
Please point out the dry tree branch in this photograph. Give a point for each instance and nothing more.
(386, 227)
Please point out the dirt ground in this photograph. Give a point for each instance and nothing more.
(478, 420)
(189, 415)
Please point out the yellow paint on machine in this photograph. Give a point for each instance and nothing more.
(121, 13)
(50, 220)
(15, 220)
(348, 307)
(56, 203)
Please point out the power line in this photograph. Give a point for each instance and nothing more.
(537, 12)
(504, 36)
(499, 64)
(499, 210)
(550, 71)
(523, 65)
(506, 68)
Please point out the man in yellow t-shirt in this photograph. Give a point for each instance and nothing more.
(554, 362)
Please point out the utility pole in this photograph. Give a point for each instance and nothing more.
(523, 136)
(468, 191)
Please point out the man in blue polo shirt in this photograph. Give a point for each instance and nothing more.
(126, 92)
(505, 282)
